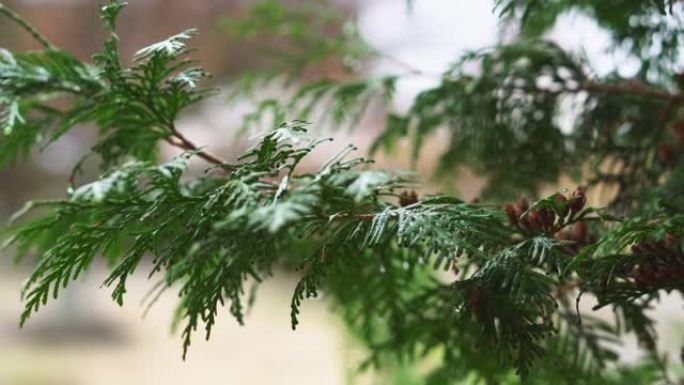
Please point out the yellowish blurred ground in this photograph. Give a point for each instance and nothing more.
(86, 339)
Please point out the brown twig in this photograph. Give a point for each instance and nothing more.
(630, 88)
(409, 68)
(177, 139)
(627, 88)
(356, 216)
(26, 26)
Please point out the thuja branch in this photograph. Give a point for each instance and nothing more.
(374, 256)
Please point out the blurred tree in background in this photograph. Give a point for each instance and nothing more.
(522, 114)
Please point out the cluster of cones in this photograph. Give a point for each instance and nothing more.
(665, 266)
(407, 198)
(578, 236)
(546, 220)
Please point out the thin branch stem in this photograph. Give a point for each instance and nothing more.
(630, 88)
(181, 141)
(26, 26)
(412, 70)
(626, 88)
(594, 88)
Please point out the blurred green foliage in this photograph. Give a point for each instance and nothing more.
(472, 293)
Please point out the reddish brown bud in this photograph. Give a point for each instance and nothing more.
(641, 277)
(523, 205)
(660, 274)
(512, 214)
(579, 232)
(577, 201)
(678, 130)
(475, 300)
(666, 155)
(534, 221)
(548, 218)
(407, 198)
(638, 279)
(566, 236)
(525, 222)
(563, 236)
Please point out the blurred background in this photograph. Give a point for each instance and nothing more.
(85, 338)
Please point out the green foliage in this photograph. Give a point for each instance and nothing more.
(632, 28)
(28, 82)
(314, 31)
(342, 103)
(507, 109)
(512, 99)
(118, 100)
(473, 293)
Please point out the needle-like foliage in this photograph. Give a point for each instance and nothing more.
(474, 292)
